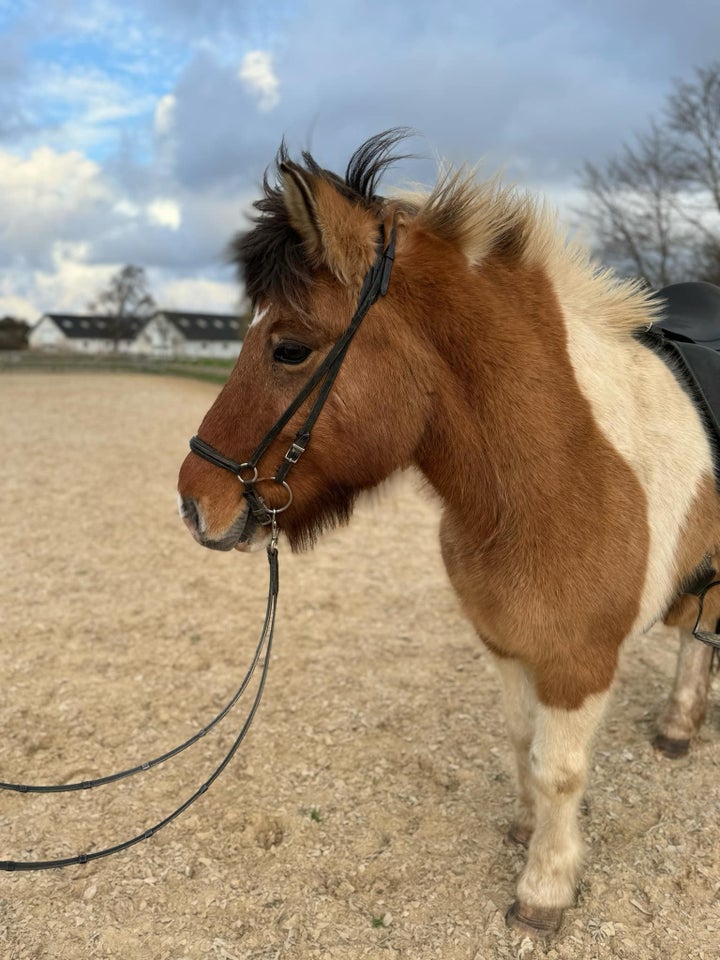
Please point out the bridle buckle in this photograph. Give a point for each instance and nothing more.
(294, 453)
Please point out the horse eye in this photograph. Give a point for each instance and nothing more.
(291, 352)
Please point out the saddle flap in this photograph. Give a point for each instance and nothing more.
(687, 336)
(691, 312)
(702, 367)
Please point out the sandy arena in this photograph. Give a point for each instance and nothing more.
(364, 814)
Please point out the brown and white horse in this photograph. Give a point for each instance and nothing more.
(574, 472)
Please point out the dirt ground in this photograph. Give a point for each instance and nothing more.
(364, 815)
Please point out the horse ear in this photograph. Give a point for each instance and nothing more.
(301, 207)
(335, 231)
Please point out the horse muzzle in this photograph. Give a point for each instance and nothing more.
(244, 534)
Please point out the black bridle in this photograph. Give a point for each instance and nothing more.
(375, 285)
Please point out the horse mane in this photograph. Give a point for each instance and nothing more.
(486, 218)
(480, 219)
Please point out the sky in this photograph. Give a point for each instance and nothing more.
(138, 132)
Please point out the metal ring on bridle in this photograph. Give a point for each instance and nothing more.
(273, 511)
(248, 466)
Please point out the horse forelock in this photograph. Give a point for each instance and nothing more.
(271, 259)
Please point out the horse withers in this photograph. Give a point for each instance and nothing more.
(574, 470)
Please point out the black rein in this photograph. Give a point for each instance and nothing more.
(374, 286)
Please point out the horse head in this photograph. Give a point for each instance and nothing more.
(303, 263)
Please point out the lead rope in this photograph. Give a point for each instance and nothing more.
(264, 644)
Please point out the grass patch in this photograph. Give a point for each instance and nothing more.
(210, 370)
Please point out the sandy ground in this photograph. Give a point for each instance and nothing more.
(364, 815)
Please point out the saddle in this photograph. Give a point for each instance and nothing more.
(688, 336)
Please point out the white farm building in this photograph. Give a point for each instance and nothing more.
(172, 333)
(83, 334)
(167, 333)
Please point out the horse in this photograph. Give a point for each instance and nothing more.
(573, 469)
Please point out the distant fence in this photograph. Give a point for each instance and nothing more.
(214, 371)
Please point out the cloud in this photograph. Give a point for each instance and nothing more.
(536, 100)
(165, 115)
(83, 108)
(13, 301)
(195, 293)
(67, 226)
(220, 137)
(70, 282)
(139, 133)
(14, 120)
(49, 197)
(256, 72)
(165, 212)
(52, 203)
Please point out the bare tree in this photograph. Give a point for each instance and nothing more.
(125, 300)
(693, 114)
(655, 208)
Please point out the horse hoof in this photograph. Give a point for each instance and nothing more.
(517, 835)
(672, 749)
(534, 921)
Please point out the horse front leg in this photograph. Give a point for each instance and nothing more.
(558, 761)
(520, 705)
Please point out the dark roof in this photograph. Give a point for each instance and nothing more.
(203, 326)
(96, 328)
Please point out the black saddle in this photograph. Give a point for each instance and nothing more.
(691, 313)
(688, 333)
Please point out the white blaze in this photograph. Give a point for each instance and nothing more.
(258, 316)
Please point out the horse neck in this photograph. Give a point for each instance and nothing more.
(504, 390)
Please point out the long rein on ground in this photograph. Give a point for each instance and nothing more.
(374, 286)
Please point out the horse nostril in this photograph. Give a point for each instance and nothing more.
(189, 513)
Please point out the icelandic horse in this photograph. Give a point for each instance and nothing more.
(574, 472)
